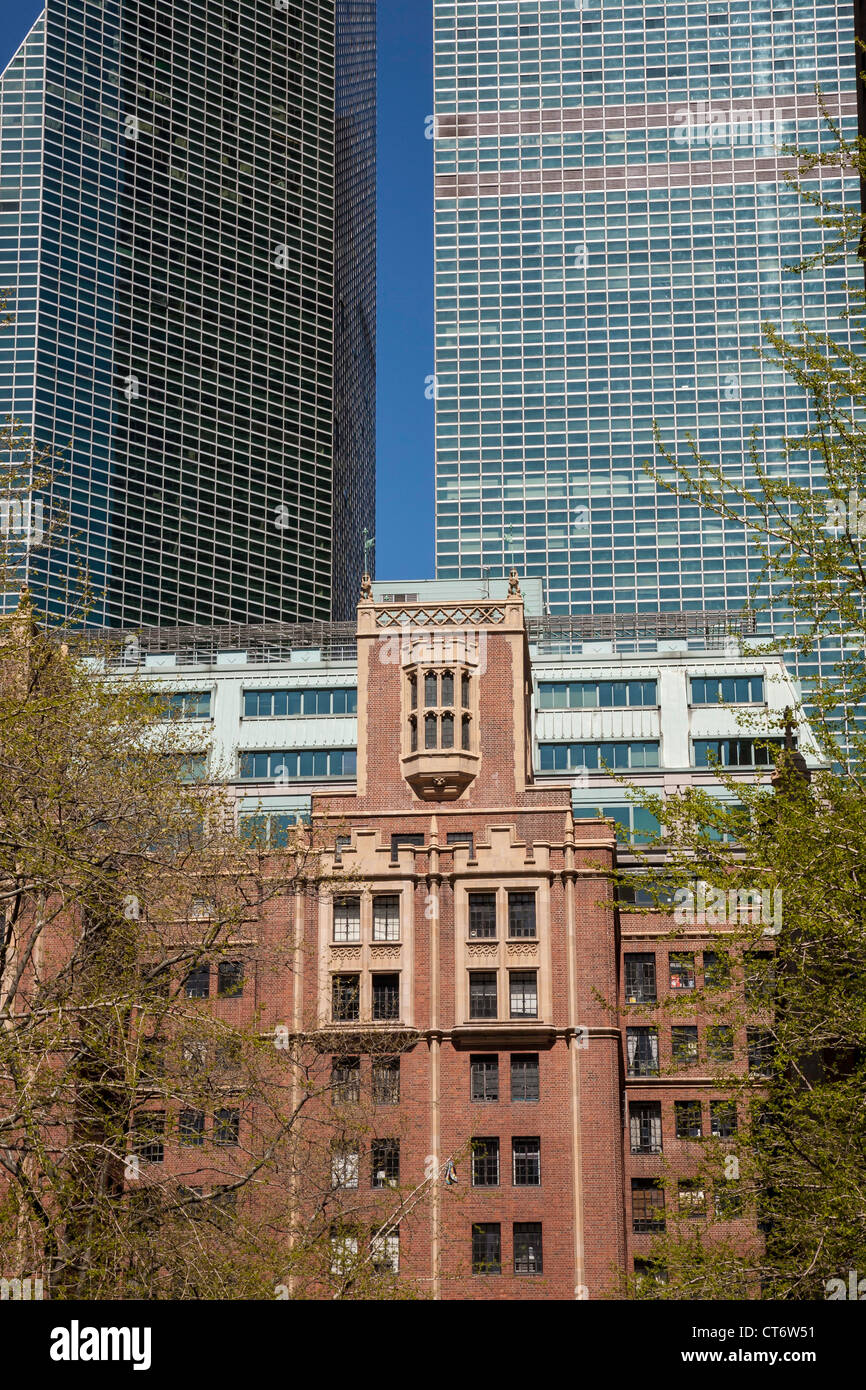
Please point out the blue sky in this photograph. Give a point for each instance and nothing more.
(404, 548)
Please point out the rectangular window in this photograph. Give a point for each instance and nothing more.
(640, 979)
(682, 970)
(525, 1084)
(723, 1119)
(760, 1046)
(385, 1253)
(597, 694)
(227, 1127)
(482, 994)
(692, 1198)
(345, 998)
(188, 704)
(347, 919)
(461, 837)
(345, 1167)
(523, 992)
(729, 1201)
(729, 690)
(720, 1043)
(527, 1248)
(484, 1078)
(148, 1136)
(385, 1156)
(298, 764)
(521, 914)
(687, 1115)
(386, 997)
(758, 971)
(191, 1127)
(595, 757)
(345, 1080)
(197, 983)
(717, 969)
(647, 1205)
(735, 752)
(526, 1162)
(386, 1081)
(290, 703)
(485, 1162)
(386, 917)
(684, 1045)
(482, 915)
(645, 1127)
(399, 842)
(230, 979)
(642, 1045)
(487, 1248)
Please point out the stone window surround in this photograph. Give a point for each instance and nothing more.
(502, 953)
(367, 957)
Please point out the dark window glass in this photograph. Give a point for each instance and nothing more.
(521, 914)
(447, 723)
(684, 1045)
(527, 1248)
(485, 1162)
(191, 1127)
(401, 841)
(197, 983)
(464, 690)
(524, 1076)
(723, 1119)
(642, 1045)
(413, 693)
(487, 1248)
(386, 996)
(227, 1127)
(688, 1119)
(345, 998)
(413, 735)
(759, 973)
(430, 728)
(647, 1205)
(345, 1080)
(640, 979)
(230, 978)
(720, 1043)
(482, 915)
(760, 1046)
(147, 1138)
(717, 969)
(467, 732)
(431, 689)
(645, 1127)
(447, 696)
(484, 1078)
(386, 1081)
(526, 1162)
(461, 837)
(385, 1158)
(482, 994)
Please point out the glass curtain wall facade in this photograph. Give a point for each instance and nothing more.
(186, 276)
(612, 227)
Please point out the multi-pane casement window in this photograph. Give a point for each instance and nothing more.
(385, 1253)
(688, 1119)
(647, 1205)
(404, 841)
(482, 915)
(642, 1046)
(230, 979)
(297, 764)
(485, 1162)
(595, 757)
(735, 752)
(684, 1044)
(148, 1136)
(345, 998)
(640, 979)
(597, 694)
(692, 1198)
(385, 1162)
(729, 690)
(345, 1166)
(523, 993)
(186, 704)
(723, 1119)
(484, 1078)
(461, 837)
(524, 1076)
(276, 704)
(645, 1127)
(521, 914)
(717, 969)
(483, 998)
(345, 1080)
(527, 1248)
(758, 971)
(760, 1046)
(386, 997)
(227, 1127)
(526, 1162)
(440, 710)
(386, 917)
(191, 1127)
(682, 970)
(487, 1248)
(720, 1043)
(386, 1081)
(197, 983)
(347, 919)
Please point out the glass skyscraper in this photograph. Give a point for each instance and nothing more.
(187, 226)
(612, 228)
